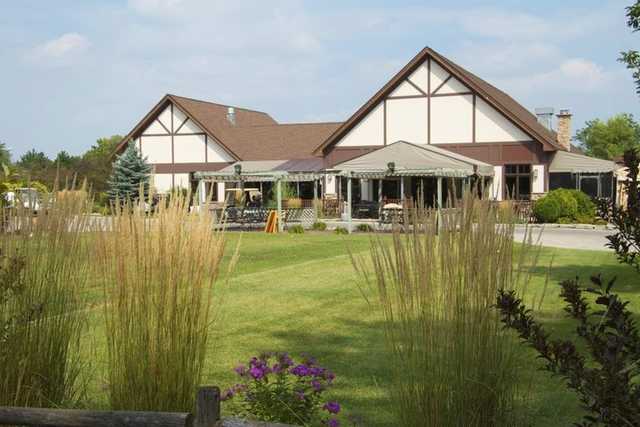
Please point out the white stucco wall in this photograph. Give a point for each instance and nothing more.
(155, 128)
(453, 86)
(190, 127)
(407, 120)
(451, 119)
(368, 132)
(165, 117)
(438, 75)
(419, 77)
(189, 148)
(161, 182)
(181, 180)
(215, 153)
(156, 148)
(537, 186)
(178, 117)
(492, 126)
(405, 89)
(496, 183)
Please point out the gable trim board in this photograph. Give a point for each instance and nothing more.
(522, 119)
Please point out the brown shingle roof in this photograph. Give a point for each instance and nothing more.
(284, 141)
(494, 96)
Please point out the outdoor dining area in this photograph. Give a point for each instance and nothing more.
(378, 186)
(383, 183)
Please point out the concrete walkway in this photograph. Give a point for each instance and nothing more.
(569, 238)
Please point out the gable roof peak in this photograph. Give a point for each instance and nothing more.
(498, 99)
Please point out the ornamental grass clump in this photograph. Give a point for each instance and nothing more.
(43, 277)
(452, 363)
(274, 387)
(158, 271)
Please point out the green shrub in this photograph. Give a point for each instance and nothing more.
(365, 228)
(296, 229)
(341, 230)
(319, 226)
(547, 209)
(570, 205)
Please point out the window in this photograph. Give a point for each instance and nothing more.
(517, 180)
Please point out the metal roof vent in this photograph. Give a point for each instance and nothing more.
(231, 115)
(545, 116)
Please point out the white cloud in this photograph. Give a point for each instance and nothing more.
(65, 46)
(576, 76)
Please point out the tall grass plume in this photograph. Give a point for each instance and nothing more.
(43, 273)
(435, 286)
(158, 270)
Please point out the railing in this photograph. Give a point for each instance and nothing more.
(206, 414)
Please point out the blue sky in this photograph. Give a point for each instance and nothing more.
(73, 71)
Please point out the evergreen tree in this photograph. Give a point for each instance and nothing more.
(130, 170)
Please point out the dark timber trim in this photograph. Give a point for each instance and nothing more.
(473, 119)
(162, 124)
(444, 82)
(416, 86)
(439, 95)
(406, 96)
(182, 124)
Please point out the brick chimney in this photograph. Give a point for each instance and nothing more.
(564, 129)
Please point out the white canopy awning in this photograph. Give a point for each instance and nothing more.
(564, 161)
(413, 160)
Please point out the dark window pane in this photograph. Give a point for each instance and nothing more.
(524, 168)
(511, 168)
(524, 187)
(510, 187)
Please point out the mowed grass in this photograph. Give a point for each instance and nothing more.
(299, 293)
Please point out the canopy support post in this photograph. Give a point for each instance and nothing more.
(402, 191)
(279, 203)
(315, 200)
(202, 197)
(439, 216)
(349, 203)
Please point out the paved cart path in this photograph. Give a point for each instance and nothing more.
(570, 238)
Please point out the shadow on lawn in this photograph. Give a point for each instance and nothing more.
(354, 351)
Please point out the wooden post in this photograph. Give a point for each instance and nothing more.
(349, 203)
(279, 202)
(207, 413)
(402, 191)
(380, 199)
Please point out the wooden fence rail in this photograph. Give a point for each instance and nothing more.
(206, 414)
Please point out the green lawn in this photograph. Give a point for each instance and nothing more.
(299, 293)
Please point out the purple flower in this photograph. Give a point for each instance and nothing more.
(300, 371)
(333, 423)
(257, 373)
(300, 395)
(332, 407)
(285, 360)
(241, 370)
(316, 385)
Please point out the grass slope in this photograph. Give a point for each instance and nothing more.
(299, 293)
